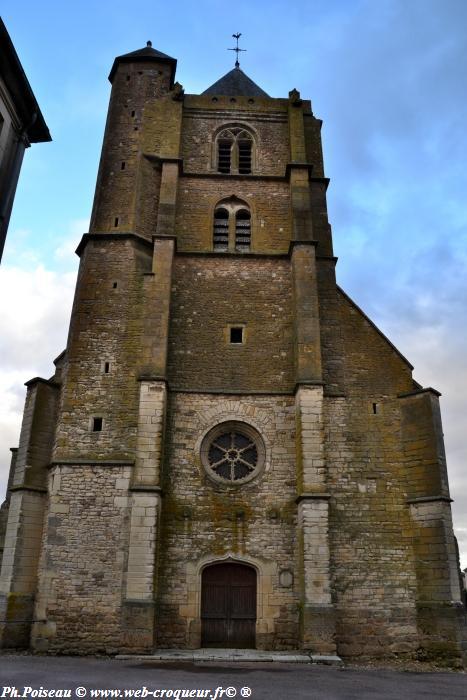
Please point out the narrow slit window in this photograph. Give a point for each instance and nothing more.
(115, 285)
(106, 367)
(97, 425)
(242, 231)
(122, 167)
(236, 335)
(224, 155)
(221, 230)
(116, 221)
(375, 408)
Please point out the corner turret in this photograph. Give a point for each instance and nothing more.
(138, 79)
(145, 55)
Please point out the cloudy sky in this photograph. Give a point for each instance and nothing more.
(389, 79)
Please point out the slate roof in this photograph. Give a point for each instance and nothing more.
(145, 54)
(235, 82)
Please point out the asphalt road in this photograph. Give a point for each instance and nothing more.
(258, 681)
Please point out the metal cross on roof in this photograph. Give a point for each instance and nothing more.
(237, 49)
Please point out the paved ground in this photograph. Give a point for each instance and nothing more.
(266, 681)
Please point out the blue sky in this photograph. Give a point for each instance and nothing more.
(388, 79)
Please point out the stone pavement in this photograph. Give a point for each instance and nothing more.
(241, 655)
(117, 679)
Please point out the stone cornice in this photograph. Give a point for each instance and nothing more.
(41, 380)
(313, 496)
(146, 488)
(24, 487)
(428, 499)
(111, 236)
(308, 382)
(428, 390)
(92, 462)
(151, 378)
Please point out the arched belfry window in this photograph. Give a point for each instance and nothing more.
(234, 151)
(232, 226)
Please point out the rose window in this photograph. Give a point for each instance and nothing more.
(232, 452)
(233, 456)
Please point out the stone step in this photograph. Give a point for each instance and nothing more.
(236, 655)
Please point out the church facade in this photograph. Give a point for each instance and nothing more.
(230, 453)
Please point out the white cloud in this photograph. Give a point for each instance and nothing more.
(33, 328)
(65, 252)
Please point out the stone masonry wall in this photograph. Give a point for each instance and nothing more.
(314, 150)
(84, 551)
(371, 532)
(134, 88)
(373, 367)
(270, 212)
(149, 187)
(211, 292)
(269, 129)
(105, 327)
(203, 521)
(371, 535)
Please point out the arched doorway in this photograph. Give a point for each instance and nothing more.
(228, 606)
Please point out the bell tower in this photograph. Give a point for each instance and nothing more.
(225, 421)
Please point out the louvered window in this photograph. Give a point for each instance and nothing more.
(231, 226)
(221, 230)
(244, 156)
(224, 157)
(242, 231)
(234, 148)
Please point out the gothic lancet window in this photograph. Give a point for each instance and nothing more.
(232, 227)
(234, 151)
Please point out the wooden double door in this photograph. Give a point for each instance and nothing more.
(228, 606)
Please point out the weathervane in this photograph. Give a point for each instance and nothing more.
(236, 49)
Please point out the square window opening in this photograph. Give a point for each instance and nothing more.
(236, 335)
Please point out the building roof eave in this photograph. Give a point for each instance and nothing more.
(20, 90)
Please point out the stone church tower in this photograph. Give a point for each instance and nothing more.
(230, 453)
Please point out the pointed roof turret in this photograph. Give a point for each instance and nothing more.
(145, 54)
(235, 83)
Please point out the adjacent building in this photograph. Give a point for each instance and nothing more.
(21, 123)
